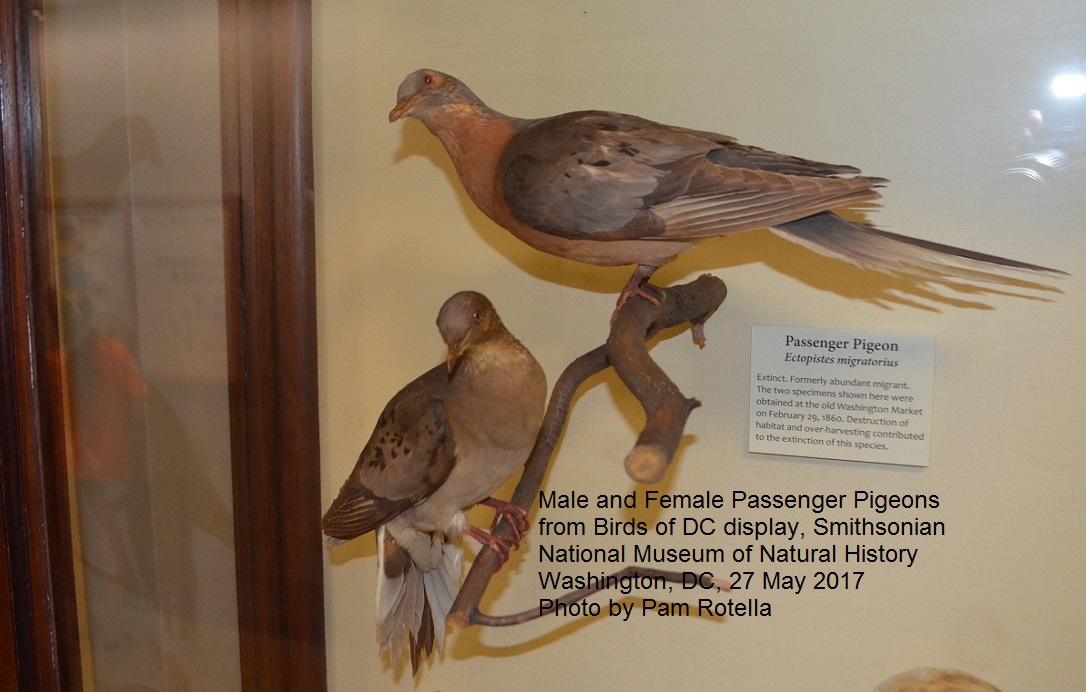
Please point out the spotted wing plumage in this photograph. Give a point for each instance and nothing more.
(409, 455)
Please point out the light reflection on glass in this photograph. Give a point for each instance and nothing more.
(1053, 142)
(132, 113)
(1069, 86)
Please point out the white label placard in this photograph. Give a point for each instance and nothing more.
(841, 394)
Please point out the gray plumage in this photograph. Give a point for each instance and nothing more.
(613, 189)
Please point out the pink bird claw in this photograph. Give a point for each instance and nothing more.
(636, 286)
(501, 546)
(516, 517)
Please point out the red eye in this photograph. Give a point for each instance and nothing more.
(428, 79)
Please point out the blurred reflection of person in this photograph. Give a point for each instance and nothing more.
(106, 394)
(1035, 133)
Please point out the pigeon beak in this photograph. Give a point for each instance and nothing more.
(453, 360)
(402, 108)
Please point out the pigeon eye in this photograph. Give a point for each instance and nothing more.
(476, 317)
(428, 79)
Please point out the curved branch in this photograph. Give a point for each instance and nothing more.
(665, 407)
(574, 596)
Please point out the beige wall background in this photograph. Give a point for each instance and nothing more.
(931, 95)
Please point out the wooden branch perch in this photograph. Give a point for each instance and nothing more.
(666, 410)
(574, 596)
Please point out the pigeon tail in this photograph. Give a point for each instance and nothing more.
(418, 578)
(871, 248)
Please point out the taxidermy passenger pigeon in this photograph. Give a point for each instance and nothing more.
(443, 444)
(613, 189)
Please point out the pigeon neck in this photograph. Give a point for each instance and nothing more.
(474, 136)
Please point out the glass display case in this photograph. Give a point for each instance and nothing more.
(209, 218)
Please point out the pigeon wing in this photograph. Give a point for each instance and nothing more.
(409, 455)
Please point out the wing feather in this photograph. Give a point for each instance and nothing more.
(606, 176)
(409, 455)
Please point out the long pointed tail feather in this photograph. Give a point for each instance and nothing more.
(871, 248)
(418, 577)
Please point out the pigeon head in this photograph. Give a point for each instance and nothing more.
(424, 91)
(466, 320)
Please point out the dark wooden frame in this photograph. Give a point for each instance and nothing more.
(271, 313)
(38, 630)
(268, 200)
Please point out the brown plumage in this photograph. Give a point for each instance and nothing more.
(613, 189)
(443, 444)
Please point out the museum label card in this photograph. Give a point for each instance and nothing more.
(836, 394)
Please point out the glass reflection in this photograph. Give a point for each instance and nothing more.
(132, 112)
(1053, 136)
(1069, 86)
